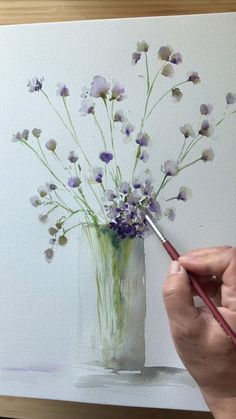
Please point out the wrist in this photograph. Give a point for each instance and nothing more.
(221, 408)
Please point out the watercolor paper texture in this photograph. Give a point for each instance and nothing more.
(115, 114)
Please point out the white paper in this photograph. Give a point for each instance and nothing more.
(39, 302)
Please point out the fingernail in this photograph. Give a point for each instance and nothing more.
(174, 267)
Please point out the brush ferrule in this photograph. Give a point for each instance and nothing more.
(155, 229)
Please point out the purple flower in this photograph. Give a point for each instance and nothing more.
(176, 94)
(62, 240)
(187, 131)
(230, 98)
(144, 156)
(36, 132)
(35, 201)
(35, 84)
(51, 186)
(184, 194)
(16, 137)
(164, 53)
(176, 58)
(74, 182)
(72, 157)
(117, 92)
(99, 87)
(142, 46)
(49, 254)
(86, 107)
(106, 156)
(142, 139)
(119, 116)
(20, 136)
(85, 92)
(206, 129)
(98, 174)
(154, 206)
(25, 134)
(51, 145)
(194, 78)
(136, 183)
(43, 218)
(43, 190)
(127, 129)
(171, 168)
(110, 194)
(170, 214)
(124, 187)
(136, 57)
(168, 70)
(207, 155)
(62, 90)
(206, 109)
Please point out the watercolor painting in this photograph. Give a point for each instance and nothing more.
(115, 228)
(115, 149)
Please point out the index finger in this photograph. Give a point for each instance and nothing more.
(221, 263)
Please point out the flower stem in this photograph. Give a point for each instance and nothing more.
(100, 130)
(162, 97)
(189, 164)
(160, 187)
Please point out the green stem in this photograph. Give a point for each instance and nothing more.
(189, 164)
(100, 130)
(71, 228)
(147, 71)
(181, 151)
(45, 164)
(190, 146)
(52, 209)
(53, 201)
(162, 97)
(160, 187)
(42, 152)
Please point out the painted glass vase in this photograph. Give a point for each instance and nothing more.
(112, 300)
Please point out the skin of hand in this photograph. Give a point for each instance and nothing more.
(201, 343)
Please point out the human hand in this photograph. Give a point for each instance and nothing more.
(202, 345)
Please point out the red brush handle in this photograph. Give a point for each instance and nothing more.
(201, 293)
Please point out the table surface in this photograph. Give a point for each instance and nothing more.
(25, 11)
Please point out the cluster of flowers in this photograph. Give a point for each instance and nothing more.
(125, 203)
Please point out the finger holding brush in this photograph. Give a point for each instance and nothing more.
(201, 344)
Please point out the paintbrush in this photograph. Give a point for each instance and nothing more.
(195, 283)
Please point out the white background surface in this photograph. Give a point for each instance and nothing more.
(38, 302)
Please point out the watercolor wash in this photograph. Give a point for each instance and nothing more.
(115, 228)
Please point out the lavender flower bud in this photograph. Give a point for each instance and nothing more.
(207, 155)
(62, 240)
(35, 201)
(72, 157)
(99, 87)
(164, 53)
(230, 98)
(171, 168)
(168, 70)
(62, 90)
(142, 46)
(194, 78)
(74, 182)
(206, 109)
(49, 254)
(106, 156)
(136, 57)
(36, 132)
(51, 145)
(176, 94)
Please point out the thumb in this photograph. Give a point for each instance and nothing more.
(178, 297)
